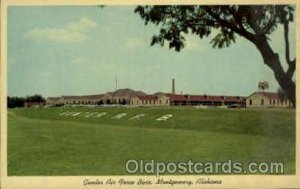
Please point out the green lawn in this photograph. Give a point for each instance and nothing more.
(40, 142)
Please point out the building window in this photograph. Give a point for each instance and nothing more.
(262, 102)
(270, 101)
(273, 101)
(250, 102)
(159, 101)
(166, 101)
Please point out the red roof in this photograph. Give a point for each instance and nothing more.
(83, 96)
(270, 95)
(181, 97)
(29, 104)
(176, 97)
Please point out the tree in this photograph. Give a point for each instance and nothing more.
(263, 85)
(254, 23)
(281, 95)
(14, 102)
(35, 98)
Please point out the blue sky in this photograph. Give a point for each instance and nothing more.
(75, 50)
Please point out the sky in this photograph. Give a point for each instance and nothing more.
(80, 50)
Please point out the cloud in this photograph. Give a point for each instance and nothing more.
(75, 32)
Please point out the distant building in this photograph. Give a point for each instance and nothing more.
(266, 99)
(150, 100)
(206, 100)
(33, 104)
(138, 98)
(54, 101)
(121, 96)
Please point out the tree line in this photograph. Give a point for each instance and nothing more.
(15, 101)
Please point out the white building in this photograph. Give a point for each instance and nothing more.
(266, 99)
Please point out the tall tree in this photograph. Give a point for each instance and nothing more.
(254, 23)
(281, 95)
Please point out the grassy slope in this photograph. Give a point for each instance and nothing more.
(42, 143)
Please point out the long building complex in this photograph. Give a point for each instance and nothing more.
(257, 99)
(138, 98)
(134, 98)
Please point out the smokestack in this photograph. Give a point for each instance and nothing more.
(173, 86)
(116, 83)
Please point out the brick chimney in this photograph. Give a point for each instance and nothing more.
(173, 86)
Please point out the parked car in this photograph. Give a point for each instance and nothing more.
(234, 106)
